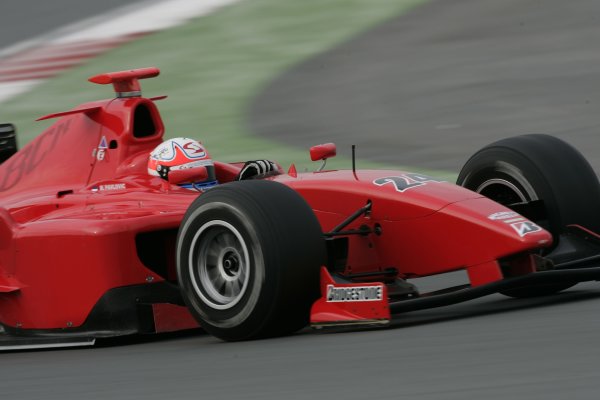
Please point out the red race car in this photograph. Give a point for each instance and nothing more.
(104, 232)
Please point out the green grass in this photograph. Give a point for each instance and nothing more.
(212, 67)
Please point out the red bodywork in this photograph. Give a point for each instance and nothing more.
(80, 216)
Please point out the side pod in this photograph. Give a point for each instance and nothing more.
(8, 283)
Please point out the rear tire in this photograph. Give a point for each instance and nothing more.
(248, 259)
(542, 169)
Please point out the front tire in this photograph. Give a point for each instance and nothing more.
(248, 259)
(541, 171)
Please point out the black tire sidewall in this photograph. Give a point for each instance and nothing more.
(286, 249)
(557, 172)
(493, 162)
(238, 314)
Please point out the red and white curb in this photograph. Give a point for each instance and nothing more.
(26, 64)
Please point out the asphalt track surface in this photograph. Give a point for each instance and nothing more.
(492, 348)
(430, 88)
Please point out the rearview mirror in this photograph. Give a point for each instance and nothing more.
(323, 151)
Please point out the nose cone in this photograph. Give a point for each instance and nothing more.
(507, 224)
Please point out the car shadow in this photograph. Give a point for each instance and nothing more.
(485, 306)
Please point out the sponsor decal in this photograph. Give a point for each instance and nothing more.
(525, 227)
(103, 144)
(503, 215)
(520, 224)
(354, 293)
(405, 181)
(100, 151)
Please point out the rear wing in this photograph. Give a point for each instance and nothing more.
(8, 141)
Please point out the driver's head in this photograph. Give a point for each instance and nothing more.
(182, 153)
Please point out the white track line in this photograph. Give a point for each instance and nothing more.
(146, 18)
(26, 64)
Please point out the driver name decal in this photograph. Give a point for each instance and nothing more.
(405, 181)
(108, 187)
(354, 293)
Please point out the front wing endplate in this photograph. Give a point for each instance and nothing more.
(350, 303)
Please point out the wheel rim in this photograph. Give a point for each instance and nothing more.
(219, 264)
(508, 186)
(503, 192)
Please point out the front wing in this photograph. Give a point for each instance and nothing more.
(343, 303)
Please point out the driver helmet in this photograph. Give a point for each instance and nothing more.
(182, 153)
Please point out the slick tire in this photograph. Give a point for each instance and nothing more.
(542, 170)
(248, 260)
